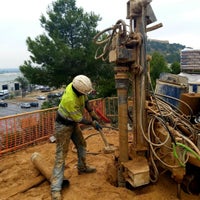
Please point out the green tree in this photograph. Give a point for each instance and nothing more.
(106, 82)
(171, 52)
(158, 65)
(175, 68)
(65, 49)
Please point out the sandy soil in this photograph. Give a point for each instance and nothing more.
(18, 172)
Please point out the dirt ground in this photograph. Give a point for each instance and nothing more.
(17, 172)
(20, 179)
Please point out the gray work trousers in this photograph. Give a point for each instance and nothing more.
(63, 135)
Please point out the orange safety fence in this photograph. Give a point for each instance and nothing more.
(21, 130)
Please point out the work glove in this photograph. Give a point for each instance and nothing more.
(96, 125)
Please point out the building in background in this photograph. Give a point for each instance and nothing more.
(9, 85)
(190, 68)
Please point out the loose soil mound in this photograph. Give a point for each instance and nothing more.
(17, 172)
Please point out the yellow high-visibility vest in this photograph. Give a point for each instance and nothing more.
(71, 106)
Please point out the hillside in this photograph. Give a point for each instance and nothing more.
(171, 52)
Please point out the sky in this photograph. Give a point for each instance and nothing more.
(19, 19)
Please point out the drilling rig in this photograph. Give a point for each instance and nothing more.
(162, 136)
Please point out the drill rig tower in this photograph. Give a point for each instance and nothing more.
(127, 50)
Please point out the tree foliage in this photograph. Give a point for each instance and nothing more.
(66, 49)
(171, 52)
(106, 82)
(175, 68)
(158, 65)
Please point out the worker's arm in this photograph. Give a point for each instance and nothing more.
(91, 111)
(94, 123)
(85, 121)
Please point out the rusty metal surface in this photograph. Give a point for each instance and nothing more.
(159, 128)
(193, 100)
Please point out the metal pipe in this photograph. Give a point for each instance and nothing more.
(121, 81)
(139, 85)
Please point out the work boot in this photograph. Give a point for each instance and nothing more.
(86, 169)
(56, 195)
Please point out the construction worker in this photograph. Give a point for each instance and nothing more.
(69, 115)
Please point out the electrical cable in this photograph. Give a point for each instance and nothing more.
(91, 135)
(120, 26)
(172, 137)
(180, 101)
(164, 114)
(169, 114)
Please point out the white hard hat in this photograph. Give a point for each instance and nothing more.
(82, 84)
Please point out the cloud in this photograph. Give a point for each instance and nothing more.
(19, 19)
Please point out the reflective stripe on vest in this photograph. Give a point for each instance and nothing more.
(71, 106)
